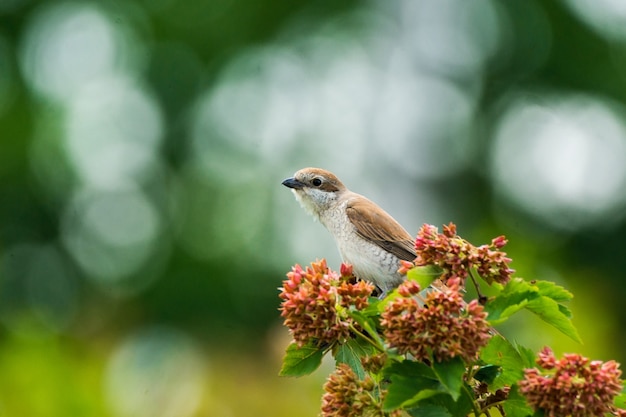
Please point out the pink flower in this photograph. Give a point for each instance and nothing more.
(310, 299)
(345, 270)
(572, 386)
(405, 266)
(457, 257)
(499, 242)
(345, 395)
(437, 323)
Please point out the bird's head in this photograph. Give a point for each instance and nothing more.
(316, 189)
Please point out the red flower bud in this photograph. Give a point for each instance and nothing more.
(435, 322)
(346, 270)
(572, 386)
(310, 299)
(457, 257)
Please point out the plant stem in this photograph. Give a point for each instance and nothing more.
(477, 411)
(371, 340)
(482, 299)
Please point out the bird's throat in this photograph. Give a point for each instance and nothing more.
(307, 204)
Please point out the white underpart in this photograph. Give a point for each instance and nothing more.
(313, 201)
(370, 262)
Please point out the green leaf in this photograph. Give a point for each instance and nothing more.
(500, 352)
(351, 353)
(487, 373)
(429, 410)
(518, 285)
(410, 382)
(409, 369)
(299, 361)
(516, 405)
(540, 297)
(504, 306)
(549, 311)
(404, 391)
(382, 304)
(511, 299)
(368, 324)
(553, 291)
(461, 407)
(424, 275)
(565, 311)
(450, 374)
(414, 385)
(528, 356)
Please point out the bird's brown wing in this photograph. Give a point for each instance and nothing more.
(377, 226)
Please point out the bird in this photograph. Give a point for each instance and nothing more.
(368, 238)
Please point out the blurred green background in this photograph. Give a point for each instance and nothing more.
(143, 227)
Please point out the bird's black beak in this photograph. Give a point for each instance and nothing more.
(293, 183)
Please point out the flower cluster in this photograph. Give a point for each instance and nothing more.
(572, 386)
(345, 395)
(374, 363)
(311, 298)
(457, 257)
(438, 323)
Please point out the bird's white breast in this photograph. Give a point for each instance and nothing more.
(370, 262)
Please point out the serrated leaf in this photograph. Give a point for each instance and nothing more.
(501, 308)
(553, 291)
(549, 308)
(527, 355)
(540, 297)
(450, 374)
(549, 311)
(299, 361)
(517, 285)
(424, 275)
(351, 353)
(514, 297)
(500, 352)
(565, 311)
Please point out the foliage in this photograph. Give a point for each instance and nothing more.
(429, 352)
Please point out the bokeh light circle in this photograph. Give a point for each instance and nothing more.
(562, 159)
(156, 372)
(68, 45)
(113, 236)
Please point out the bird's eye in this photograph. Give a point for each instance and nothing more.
(316, 182)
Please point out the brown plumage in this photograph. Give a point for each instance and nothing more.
(381, 229)
(367, 237)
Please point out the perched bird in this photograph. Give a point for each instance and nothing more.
(367, 237)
